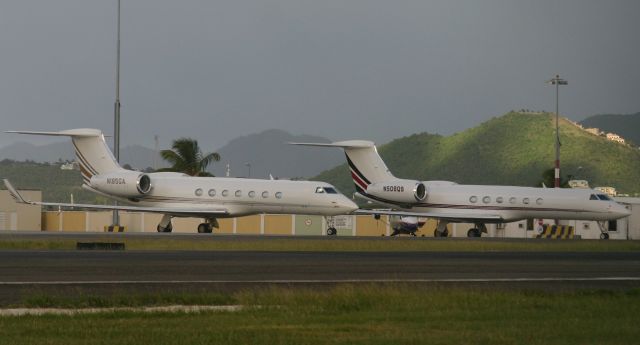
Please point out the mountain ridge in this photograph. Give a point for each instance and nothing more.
(625, 125)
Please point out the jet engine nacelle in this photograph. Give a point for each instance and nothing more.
(127, 184)
(404, 191)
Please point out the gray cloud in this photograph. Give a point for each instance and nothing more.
(214, 70)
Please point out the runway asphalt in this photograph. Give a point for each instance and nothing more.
(26, 271)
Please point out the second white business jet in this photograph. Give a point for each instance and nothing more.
(451, 202)
(180, 195)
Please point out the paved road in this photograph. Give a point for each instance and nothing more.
(23, 272)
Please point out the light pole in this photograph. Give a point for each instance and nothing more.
(116, 125)
(557, 81)
(249, 166)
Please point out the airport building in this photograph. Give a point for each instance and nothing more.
(29, 218)
(15, 216)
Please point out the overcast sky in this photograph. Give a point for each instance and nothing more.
(367, 69)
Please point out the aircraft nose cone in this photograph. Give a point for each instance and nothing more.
(625, 212)
(347, 205)
(621, 211)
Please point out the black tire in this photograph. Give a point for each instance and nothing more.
(474, 233)
(445, 233)
(167, 229)
(604, 236)
(202, 228)
(331, 232)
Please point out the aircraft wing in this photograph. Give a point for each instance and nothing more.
(453, 217)
(166, 210)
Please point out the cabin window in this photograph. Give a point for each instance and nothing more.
(265, 194)
(512, 200)
(199, 192)
(212, 192)
(539, 201)
(486, 199)
(278, 195)
(238, 193)
(225, 193)
(473, 199)
(525, 201)
(499, 200)
(252, 194)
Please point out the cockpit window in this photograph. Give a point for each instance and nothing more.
(328, 190)
(600, 197)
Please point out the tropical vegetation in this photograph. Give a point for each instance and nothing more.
(186, 157)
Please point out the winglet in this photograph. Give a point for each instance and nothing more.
(14, 193)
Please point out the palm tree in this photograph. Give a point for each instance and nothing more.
(549, 180)
(187, 158)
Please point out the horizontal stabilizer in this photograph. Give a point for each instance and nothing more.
(342, 144)
(78, 132)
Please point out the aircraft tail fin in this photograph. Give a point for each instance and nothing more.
(92, 152)
(365, 164)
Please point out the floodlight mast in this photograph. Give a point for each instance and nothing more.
(116, 130)
(557, 81)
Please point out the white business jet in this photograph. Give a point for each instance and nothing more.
(180, 195)
(454, 203)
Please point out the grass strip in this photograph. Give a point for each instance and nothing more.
(335, 244)
(362, 314)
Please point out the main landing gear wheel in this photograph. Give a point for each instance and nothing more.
(474, 233)
(169, 228)
(205, 228)
(331, 232)
(604, 236)
(444, 233)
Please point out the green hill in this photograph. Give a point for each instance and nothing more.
(514, 149)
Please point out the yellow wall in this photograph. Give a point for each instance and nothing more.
(277, 224)
(98, 220)
(369, 226)
(51, 221)
(226, 226)
(187, 225)
(71, 221)
(248, 225)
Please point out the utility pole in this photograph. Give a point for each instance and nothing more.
(557, 81)
(156, 151)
